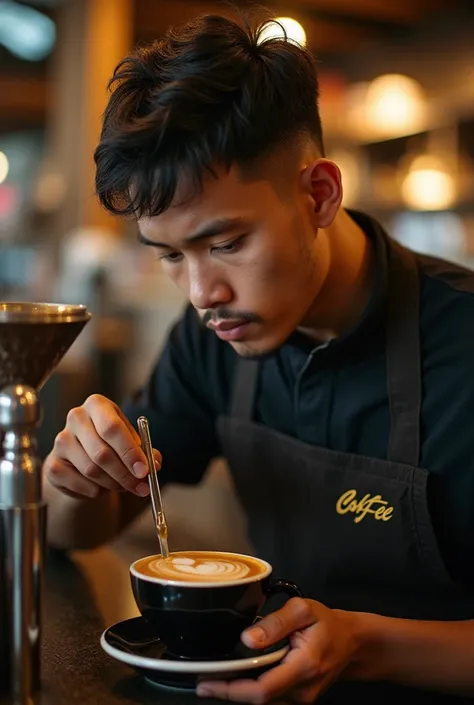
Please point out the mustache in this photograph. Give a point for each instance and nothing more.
(225, 314)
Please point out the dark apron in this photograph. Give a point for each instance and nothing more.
(355, 532)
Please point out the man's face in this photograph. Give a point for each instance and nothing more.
(245, 253)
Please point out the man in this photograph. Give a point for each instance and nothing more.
(332, 367)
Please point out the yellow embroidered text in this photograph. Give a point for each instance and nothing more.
(378, 507)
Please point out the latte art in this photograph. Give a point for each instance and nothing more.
(175, 568)
(202, 567)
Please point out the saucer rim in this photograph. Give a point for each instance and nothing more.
(188, 666)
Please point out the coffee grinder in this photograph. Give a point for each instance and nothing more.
(33, 339)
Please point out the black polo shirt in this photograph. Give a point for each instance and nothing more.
(336, 395)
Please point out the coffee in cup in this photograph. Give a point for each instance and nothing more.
(202, 567)
(199, 602)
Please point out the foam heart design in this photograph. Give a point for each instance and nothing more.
(204, 568)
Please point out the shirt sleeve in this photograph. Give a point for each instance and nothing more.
(180, 411)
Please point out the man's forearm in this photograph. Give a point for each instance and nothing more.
(80, 523)
(427, 655)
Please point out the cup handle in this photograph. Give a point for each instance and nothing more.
(279, 585)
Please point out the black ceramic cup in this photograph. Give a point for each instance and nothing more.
(205, 619)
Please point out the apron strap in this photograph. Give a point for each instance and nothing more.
(403, 356)
(244, 389)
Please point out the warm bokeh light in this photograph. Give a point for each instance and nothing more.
(293, 29)
(4, 167)
(428, 185)
(354, 115)
(392, 105)
(395, 105)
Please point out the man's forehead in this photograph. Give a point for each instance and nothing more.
(226, 197)
(151, 234)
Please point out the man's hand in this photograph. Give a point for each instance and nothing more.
(98, 450)
(323, 644)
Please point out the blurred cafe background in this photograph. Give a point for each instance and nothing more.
(397, 102)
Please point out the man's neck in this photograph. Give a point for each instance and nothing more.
(348, 285)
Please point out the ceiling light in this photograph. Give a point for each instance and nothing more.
(284, 28)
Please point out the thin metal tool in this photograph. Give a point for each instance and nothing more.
(156, 502)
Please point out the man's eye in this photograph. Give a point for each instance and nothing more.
(172, 257)
(229, 247)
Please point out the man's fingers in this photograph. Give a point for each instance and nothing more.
(65, 477)
(101, 452)
(78, 458)
(296, 614)
(242, 691)
(111, 427)
(291, 672)
(137, 439)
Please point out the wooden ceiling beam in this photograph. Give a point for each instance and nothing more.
(326, 36)
(323, 35)
(158, 16)
(401, 11)
(26, 98)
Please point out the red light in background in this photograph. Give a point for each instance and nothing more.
(8, 200)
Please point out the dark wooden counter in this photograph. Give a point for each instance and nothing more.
(83, 595)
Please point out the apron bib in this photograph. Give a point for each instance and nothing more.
(354, 532)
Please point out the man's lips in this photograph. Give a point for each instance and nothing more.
(229, 330)
(225, 325)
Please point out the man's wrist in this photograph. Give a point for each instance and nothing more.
(368, 645)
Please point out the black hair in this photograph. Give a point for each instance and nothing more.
(209, 93)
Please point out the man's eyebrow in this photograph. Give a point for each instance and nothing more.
(221, 226)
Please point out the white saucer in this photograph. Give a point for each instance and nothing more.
(133, 643)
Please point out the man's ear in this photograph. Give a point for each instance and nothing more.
(321, 180)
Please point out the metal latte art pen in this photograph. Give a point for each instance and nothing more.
(156, 503)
